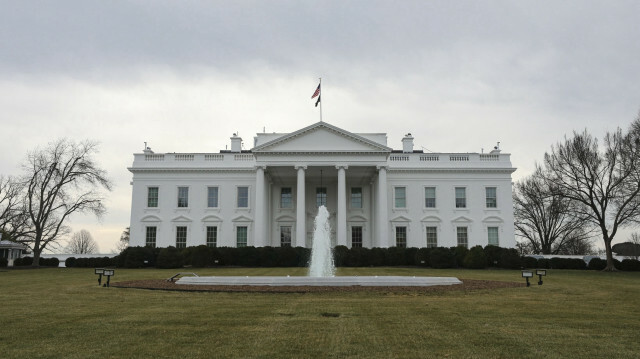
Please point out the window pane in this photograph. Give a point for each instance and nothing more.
(321, 196)
(285, 236)
(430, 197)
(462, 237)
(181, 237)
(212, 197)
(400, 197)
(461, 197)
(492, 200)
(356, 197)
(150, 238)
(356, 237)
(152, 197)
(241, 236)
(183, 196)
(243, 197)
(286, 200)
(212, 236)
(401, 237)
(432, 237)
(493, 236)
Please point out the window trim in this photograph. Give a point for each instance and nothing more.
(486, 197)
(290, 198)
(406, 236)
(178, 197)
(206, 236)
(351, 206)
(395, 197)
(427, 236)
(157, 196)
(186, 235)
(217, 197)
(466, 232)
(455, 196)
(238, 196)
(435, 197)
(155, 236)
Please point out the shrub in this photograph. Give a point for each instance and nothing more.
(422, 257)
(169, 257)
(630, 265)
(544, 263)
(49, 262)
(70, 262)
(567, 263)
(441, 258)
(475, 258)
(4, 262)
(510, 259)
(199, 256)
(340, 254)
(459, 252)
(22, 262)
(137, 257)
(493, 255)
(597, 264)
(378, 257)
(530, 262)
(303, 255)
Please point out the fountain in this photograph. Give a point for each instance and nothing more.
(321, 263)
(322, 269)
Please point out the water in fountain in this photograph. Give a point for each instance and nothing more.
(321, 264)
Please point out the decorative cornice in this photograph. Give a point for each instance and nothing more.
(182, 170)
(453, 170)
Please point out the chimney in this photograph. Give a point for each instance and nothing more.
(236, 143)
(496, 149)
(407, 143)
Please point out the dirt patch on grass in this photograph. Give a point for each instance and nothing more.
(163, 284)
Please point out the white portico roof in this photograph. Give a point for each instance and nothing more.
(321, 137)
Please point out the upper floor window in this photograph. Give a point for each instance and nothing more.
(183, 196)
(321, 196)
(286, 197)
(430, 197)
(492, 199)
(400, 197)
(212, 197)
(152, 197)
(356, 197)
(461, 197)
(243, 197)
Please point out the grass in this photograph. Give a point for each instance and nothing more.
(62, 313)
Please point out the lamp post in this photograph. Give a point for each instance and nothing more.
(527, 274)
(100, 272)
(540, 273)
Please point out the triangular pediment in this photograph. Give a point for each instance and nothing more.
(321, 137)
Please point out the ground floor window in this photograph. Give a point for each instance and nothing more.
(432, 237)
(212, 236)
(463, 239)
(181, 237)
(150, 237)
(492, 233)
(241, 236)
(401, 237)
(356, 237)
(285, 236)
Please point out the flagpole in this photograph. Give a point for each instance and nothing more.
(320, 99)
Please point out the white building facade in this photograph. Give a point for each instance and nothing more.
(269, 195)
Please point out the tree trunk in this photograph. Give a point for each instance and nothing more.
(36, 258)
(610, 265)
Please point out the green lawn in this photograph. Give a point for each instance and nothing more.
(62, 313)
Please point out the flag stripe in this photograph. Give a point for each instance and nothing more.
(317, 92)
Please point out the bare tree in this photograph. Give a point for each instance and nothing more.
(544, 219)
(579, 244)
(60, 180)
(606, 182)
(82, 243)
(124, 241)
(12, 215)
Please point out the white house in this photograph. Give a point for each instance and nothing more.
(269, 195)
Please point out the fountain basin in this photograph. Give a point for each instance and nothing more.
(340, 281)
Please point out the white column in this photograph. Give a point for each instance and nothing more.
(301, 226)
(382, 220)
(342, 207)
(260, 233)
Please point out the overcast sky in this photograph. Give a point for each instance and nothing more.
(184, 75)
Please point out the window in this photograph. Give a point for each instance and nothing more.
(212, 236)
(183, 197)
(401, 237)
(181, 237)
(152, 197)
(286, 199)
(212, 197)
(463, 240)
(321, 196)
(492, 233)
(492, 200)
(400, 195)
(356, 237)
(243, 197)
(430, 197)
(241, 236)
(356, 197)
(285, 236)
(461, 197)
(432, 237)
(150, 237)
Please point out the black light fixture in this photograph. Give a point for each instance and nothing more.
(99, 271)
(108, 273)
(540, 273)
(527, 274)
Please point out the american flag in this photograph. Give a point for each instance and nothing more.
(317, 93)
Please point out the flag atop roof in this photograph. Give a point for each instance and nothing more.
(317, 92)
